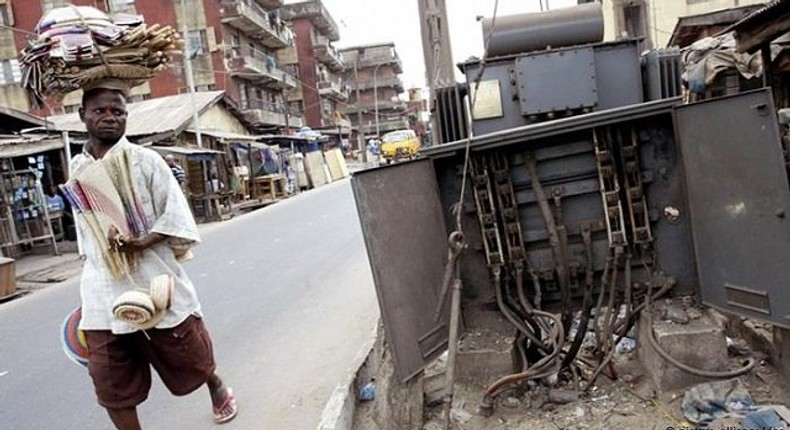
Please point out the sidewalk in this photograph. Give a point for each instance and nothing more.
(35, 271)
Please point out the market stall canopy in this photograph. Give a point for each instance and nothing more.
(154, 119)
(225, 135)
(691, 28)
(191, 153)
(12, 120)
(23, 146)
(762, 26)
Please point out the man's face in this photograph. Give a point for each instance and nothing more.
(104, 115)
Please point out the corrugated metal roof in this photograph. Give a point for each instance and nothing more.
(769, 12)
(155, 116)
(762, 26)
(21, 147)
(184, 150)
(31, 120)
(223, 134)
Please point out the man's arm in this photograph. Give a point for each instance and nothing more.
(131, 245)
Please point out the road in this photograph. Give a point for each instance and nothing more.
(289, 300)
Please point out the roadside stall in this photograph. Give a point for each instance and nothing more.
(206, 194)
(27, 218)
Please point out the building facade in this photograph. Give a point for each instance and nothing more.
(374, 105)
(655, 20)
(232, 46)
(321, 93)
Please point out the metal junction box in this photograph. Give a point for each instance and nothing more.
(578, 90)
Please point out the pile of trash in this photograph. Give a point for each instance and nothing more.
(78, 45)
(727, 404)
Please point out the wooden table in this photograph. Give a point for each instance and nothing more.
(266, 187)
(56, 223)
(209, 206)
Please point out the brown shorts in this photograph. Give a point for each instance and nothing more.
(120, 365)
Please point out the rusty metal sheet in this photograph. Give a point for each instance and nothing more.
(739, 200)
(406, 239)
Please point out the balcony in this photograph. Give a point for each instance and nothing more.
(261, 72)
(270, 4)
(332, 90)
(251, 19)
(327, 54)
(316, 13)
(398, 124)
(369, 60)
(382, 82)
(371, 107)
(262, 117)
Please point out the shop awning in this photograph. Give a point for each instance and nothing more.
(10, 148)
(189, 152)
(225, 135)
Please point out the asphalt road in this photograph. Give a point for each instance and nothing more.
(289, 300)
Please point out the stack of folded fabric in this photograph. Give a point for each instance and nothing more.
(79, 45)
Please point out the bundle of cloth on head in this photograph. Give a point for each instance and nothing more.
(77, 46)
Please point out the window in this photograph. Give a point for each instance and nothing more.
(6, 17)
(11, 74)
(196, 43)
(47, 5)
(243, 102)
(126, 6)
(139, 98)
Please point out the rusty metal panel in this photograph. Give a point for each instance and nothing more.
(738, 197)
(406, 239)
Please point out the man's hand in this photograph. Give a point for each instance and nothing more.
(131, 245)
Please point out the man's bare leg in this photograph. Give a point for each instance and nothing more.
(125, 419)
(219, 397)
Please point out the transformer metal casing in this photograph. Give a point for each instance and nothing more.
(523, 89)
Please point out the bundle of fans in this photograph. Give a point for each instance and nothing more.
(79, 45)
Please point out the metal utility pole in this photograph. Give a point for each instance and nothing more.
(287, 109)
(436, 50)
(376, 99)
(438, 56)
(360, 137)
(188, 72)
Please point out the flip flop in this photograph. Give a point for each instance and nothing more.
(228, 404)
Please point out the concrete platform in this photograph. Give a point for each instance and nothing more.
(701, 343)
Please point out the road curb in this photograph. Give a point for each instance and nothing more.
(338, 414)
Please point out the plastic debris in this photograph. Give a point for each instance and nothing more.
(368, 392)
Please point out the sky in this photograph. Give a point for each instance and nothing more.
(363, 22)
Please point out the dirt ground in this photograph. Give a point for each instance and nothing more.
(628, 402)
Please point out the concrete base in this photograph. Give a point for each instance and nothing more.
(701, 343)
(486, 351)
(781, 359)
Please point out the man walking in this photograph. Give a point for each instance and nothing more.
(178, 347)
(178, 171)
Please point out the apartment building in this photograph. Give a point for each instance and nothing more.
(321, 93)
(232, 46)
(374, 71)
(655, 20)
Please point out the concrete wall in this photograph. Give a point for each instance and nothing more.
(662, 15)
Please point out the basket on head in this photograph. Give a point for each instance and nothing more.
(73, 339)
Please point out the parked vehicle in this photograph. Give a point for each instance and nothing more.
(399, 145)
